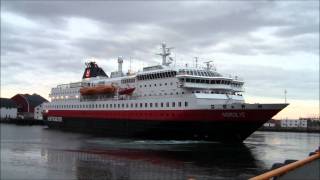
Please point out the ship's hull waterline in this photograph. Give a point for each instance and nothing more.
(211, 125)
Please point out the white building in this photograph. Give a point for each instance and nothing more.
(294, 123)
(38, 110)
(269, 124)
(8, 109)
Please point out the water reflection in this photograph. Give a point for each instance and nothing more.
(186, 160)
(38, 153)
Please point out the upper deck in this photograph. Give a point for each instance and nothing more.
(160, 81)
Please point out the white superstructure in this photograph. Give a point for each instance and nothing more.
(156, 87)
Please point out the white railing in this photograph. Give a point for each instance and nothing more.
(210, 86)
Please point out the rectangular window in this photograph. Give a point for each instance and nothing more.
(150, 104)
(173, 104)
(186, 104)
(167, 104)
(161, 104)
(145, 104)
(179, 104)
(141, 105)
(156, 104)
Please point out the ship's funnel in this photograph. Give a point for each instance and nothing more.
(93, 70)
(120, 61)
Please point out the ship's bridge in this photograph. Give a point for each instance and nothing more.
(207, 79)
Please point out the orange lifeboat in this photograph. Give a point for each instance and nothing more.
(101, 89)
(126, 91)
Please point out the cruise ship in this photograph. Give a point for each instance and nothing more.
(159, 102)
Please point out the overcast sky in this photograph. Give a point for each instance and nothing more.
(272, 45)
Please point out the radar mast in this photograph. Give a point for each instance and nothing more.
(165, 52)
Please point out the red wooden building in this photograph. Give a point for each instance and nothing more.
(26, 104)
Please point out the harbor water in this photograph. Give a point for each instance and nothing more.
(36, 152)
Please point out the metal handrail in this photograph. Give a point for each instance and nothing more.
(284, 169)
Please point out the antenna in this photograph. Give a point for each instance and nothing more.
(285, 96)
(209, 66)
(130, 63)
(196, 59)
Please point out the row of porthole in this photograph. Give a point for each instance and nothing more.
(160, 84)
(160, 94)
(132, 105)
(65, 92)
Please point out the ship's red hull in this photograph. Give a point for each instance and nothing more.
(215, 125)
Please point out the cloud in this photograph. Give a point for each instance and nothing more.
(48, 42)
(266, 81)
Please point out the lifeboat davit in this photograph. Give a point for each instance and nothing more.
(126, 91)
(102, 89)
